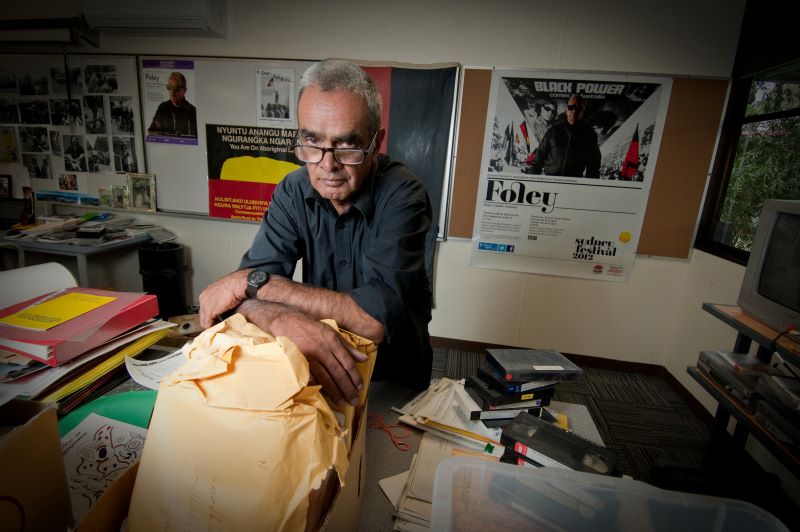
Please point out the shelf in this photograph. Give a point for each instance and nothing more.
(783, 453)
(755, 330)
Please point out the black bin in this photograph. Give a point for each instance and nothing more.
(163, 268)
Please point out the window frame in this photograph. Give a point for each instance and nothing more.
(730, 133)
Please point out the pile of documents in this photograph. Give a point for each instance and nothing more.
(70, 345)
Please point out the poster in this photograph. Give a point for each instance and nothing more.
(566, 169)
(245, 164)
(169, 89)
(276, 97)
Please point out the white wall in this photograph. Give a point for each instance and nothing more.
(654, 318)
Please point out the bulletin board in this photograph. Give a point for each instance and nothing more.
(684, 161)
(69, 125)
(245, 110)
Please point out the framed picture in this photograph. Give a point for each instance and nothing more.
(142, 191)
(105, 197)
(119, 196)
(5, 186)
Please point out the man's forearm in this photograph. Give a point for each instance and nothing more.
(322, 303)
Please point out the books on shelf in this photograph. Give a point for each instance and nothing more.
(526, 365)
(70, 336)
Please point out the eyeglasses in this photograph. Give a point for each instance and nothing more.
(346, 156)
(575, 107)
(175, 88)
(550, 109)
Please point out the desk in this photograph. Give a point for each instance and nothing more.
(79, 252)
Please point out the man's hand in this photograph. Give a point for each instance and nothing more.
(331, 360)
(221, 296)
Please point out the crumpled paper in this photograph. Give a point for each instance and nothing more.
(238, 438)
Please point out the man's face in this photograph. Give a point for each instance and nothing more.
(176, 89)
(336, 119)
(574, 110)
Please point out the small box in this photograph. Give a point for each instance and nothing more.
(473, 494)
(33, 483)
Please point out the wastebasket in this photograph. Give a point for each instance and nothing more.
(163, 268)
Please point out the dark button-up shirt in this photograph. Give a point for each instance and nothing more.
(375, 252)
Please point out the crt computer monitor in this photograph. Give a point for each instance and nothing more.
(771, 288)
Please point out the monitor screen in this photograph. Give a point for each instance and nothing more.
(780, 272)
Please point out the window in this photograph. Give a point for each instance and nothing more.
(758, 158)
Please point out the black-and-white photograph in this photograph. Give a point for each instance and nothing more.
(34, 112)
(119, 196)
(65, 112)
(74, 153)
(35, 82)
(121, 115)
(100, 78)
(55, 142)
(60, 81)
(68, 181)
(98, 158)
(5, 186)
(8, 82)
(94, 113)
(8, 145)
(38, 165)
(33, 139)
(142, 191)
(125, 154)
(9, 112)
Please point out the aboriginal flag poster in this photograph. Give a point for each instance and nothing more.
(566, 169)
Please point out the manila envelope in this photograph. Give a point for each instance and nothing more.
(238, 439)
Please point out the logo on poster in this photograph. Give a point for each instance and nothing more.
(588, 248)
(508, 191)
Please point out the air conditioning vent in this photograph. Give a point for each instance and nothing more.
(173, 18)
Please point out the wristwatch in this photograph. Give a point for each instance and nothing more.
(255, 280)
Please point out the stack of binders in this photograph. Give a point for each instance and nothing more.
(518, 380)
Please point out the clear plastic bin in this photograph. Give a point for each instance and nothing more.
(471, 494)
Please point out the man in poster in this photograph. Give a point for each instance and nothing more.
(176, 116)
(569, 148)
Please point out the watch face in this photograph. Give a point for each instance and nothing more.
(256, 278)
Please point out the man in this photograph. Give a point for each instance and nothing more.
(176, 116)
(539, 116)
(569, 148)
(358, 222)
(74, 156)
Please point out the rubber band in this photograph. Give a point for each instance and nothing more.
(375, 421)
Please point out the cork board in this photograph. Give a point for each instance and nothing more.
(676, 194)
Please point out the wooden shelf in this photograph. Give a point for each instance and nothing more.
(748, 329)
(781, 451)
(755, 330)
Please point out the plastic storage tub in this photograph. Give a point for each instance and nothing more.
(471, 494)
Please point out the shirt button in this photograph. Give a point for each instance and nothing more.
(339, 226)
(342, 263)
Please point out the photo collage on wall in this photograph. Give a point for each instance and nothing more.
(65, 126)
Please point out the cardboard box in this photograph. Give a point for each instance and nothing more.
(342, 513)
(33, 483)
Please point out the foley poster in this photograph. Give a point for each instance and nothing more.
(566, 170)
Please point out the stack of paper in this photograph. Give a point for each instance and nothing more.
(437, 411)
(73, 381)
(56, 327)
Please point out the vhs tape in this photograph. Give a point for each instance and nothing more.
(739, 373)
(525, 365)
(551, 446)
(494, 380)
(491, 399)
